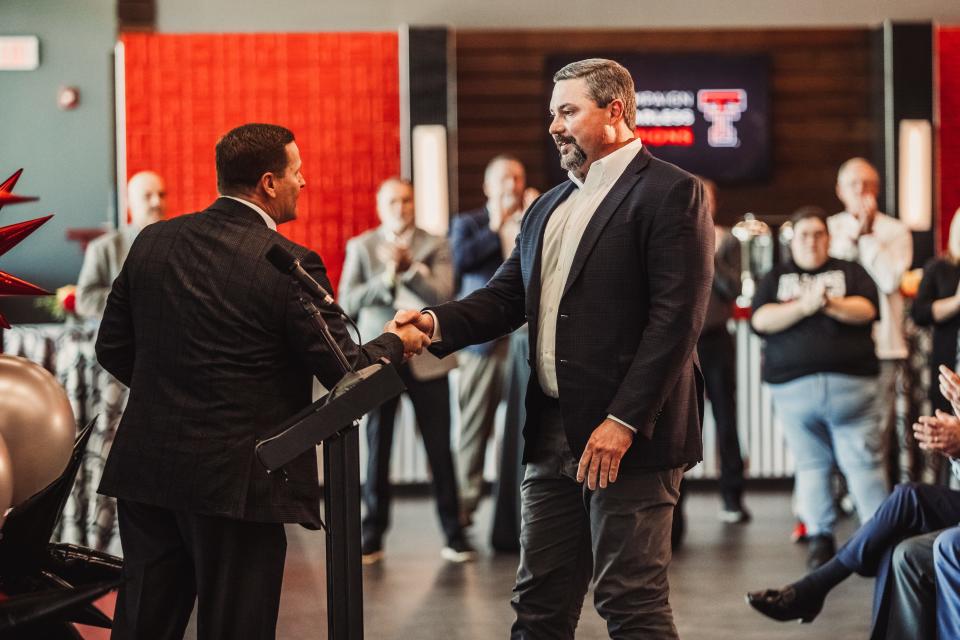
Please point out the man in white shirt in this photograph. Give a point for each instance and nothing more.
(884, 247)
(612, 272)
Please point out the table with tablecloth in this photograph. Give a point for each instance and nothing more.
(67, 351)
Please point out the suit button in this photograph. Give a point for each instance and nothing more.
(563, 362)
(564, 316)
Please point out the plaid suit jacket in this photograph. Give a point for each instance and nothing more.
(629, 318)
(217, 352)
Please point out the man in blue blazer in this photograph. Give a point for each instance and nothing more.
(480, 241)
(612, 271)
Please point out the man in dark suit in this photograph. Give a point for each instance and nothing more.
(612, 271)
(481, 240)
(217, 351)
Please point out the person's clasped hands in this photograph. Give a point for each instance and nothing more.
(940, 433)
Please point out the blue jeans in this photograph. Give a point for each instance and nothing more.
(830, 420)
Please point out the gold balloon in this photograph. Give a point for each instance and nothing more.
(6, 481)
(36, 423)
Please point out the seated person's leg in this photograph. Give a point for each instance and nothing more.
(946, 562)
(910, 510)
(911, 603)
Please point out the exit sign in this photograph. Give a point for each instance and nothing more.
(19, 53)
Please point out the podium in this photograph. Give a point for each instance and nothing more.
(332, 421)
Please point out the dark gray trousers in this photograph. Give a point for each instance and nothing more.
(618, 536)
(232, 569)
(913, 598)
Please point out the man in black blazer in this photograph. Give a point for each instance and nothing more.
(612, 271)
(217, 351)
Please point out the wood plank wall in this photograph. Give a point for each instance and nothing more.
(820, 95)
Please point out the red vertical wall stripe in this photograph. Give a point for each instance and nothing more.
(338, 93)
(948, 84)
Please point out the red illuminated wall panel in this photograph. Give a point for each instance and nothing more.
(338, 93)
(948, 83)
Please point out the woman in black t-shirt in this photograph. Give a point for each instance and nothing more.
(938, 305)
(815, 315)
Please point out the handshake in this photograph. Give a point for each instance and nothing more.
(415, 329)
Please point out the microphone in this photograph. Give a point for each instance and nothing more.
(284, 261)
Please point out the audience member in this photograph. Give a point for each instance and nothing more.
(938, 305)
(718, 353)
(481, 240)
(814, 314)
(146, 199)
(883, 246)
(395, 266)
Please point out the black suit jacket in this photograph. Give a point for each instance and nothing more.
(631, 312)
(477, 254)
(217, 352)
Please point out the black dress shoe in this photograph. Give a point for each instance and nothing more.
(783, 605)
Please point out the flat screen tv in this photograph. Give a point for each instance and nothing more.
(707, 113)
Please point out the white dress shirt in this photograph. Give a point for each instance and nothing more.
(886, 254)
(560, 243)
(270, 222)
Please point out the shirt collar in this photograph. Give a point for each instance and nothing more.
(267, 220)
(405, 237)
(609, 167)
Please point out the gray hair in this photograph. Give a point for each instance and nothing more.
(606, 81)
(497, 159)
(853, 162)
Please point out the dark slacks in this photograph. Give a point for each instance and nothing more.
(912, 603)
(619, 536)
(232, 568)
(431, 405)
(718, 356)
(911, 510)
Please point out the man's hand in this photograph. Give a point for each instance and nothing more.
(414, 340)
(422, 321)
(865, 214)
(950, 387)
(605, 449)
(401, 257)
(939, 433)
(396, 257)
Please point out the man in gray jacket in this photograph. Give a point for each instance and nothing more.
(146, 197)
(397, 266)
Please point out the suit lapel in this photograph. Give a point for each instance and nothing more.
(538, 227)
(603, 214)
(421, 246)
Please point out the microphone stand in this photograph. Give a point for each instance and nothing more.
(341, 505)
(317, 318)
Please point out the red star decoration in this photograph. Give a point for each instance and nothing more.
(6, 191)
(11, 236)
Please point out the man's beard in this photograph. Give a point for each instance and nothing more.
(572, 161)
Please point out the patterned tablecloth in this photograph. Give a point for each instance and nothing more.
(67, 351)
